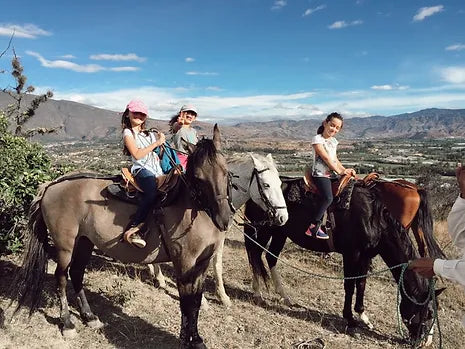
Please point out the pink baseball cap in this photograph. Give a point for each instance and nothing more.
(137, 106)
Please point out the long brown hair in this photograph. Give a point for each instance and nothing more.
(331, 116)
(126, 123)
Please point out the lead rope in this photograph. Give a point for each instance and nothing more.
(400, 286)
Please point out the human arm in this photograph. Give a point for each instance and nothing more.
(139, 153)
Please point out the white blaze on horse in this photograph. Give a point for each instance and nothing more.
(78, 214)
(254, 177)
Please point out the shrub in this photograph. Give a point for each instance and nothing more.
(24, 166)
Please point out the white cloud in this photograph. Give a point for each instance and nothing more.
(189, 59)
(279, 4)
(27, 31)
(309, 11)
(343, 24)
(388, 87)
(117, 57)
(454, 75)
(424, 12)
(200, 73)
(456, 47)
(165, 102)
(86, 68)
(68, 57)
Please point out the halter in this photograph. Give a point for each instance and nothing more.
(271, 209)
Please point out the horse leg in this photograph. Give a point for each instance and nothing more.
(82, 253)
(275, 248)
(190, 281)
(349, 287)
(218, 272)
(157, 275)
(360, 294)
(61, 276)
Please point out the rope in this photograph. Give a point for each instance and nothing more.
(400, 287)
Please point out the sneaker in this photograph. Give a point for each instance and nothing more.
(133, 237)
(319, 234)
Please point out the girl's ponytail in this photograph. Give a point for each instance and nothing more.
(320, 129)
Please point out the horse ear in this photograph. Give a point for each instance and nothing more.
(216, 137)
(439, 291)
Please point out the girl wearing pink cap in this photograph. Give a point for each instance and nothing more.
(140, 144)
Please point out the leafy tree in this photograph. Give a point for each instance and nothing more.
(24, 164)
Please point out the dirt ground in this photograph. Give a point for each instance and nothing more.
(139, 315)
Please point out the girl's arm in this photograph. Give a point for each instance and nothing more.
(139, 153)
(349, 171)
(333, 165)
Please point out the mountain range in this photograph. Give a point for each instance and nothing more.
(83, 122)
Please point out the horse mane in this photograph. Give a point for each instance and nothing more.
(205, 150)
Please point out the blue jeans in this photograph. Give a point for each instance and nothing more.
(146, 181)
(326, 196)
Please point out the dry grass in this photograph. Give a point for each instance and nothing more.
(138, 315)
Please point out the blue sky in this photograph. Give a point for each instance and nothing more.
(243, 60)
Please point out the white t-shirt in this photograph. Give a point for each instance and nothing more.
(151, 161)
(320, 168)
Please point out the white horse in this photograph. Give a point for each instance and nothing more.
(254, 177)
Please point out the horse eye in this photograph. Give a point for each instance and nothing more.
(266, 185)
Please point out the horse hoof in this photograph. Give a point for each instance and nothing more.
(259, 300)
(226, 302)
(96, 324)
(198, 345)
(69, 333)
(352, 331)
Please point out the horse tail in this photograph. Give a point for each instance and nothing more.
(29, 282)
(424, 222)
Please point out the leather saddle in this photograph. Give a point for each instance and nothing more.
(127, 189)
(337, 186)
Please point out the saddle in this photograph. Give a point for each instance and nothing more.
(128, 190)
(337, 186)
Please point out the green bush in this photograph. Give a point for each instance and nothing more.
(24, 166)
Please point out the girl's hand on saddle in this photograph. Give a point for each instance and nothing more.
(349, 171)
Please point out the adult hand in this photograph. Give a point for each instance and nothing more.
(460, 174)
(423, 266)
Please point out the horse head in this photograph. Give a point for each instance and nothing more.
(207, 174)
(417, 315)
(267, 192)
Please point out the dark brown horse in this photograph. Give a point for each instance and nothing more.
(79, 214)
(363, 231)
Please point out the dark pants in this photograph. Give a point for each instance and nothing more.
(146, 181)
(326, 197)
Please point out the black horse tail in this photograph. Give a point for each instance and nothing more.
(29, 281)
(424, 222)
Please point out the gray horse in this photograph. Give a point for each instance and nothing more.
(79, 214)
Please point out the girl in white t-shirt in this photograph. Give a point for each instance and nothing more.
(326, 168)
(140, 144)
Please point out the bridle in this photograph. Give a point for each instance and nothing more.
(272, 210)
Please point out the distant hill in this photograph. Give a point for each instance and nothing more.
(83, 122)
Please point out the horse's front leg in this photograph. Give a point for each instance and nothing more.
(349, 288)
(218, 272)
(360, 294)
(82, 253)
(190, 307)
(275, 248)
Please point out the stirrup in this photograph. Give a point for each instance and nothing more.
(133, 237)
